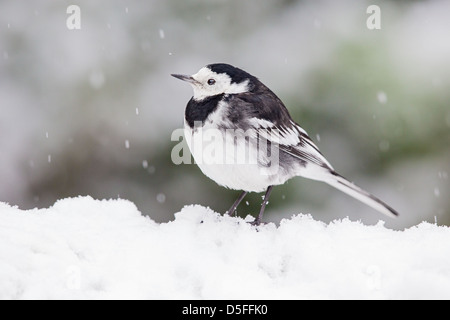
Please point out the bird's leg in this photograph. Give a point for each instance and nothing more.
(236, 203)
(258, 220)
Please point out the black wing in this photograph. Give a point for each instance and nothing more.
(268, 117)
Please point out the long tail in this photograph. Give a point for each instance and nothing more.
(356, 192)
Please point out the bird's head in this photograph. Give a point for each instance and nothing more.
(219, 78)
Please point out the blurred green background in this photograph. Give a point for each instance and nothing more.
(91, 111)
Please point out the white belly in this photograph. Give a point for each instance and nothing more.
(231, 161)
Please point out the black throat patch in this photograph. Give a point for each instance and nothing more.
(200, 110)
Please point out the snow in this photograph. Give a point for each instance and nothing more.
(162, 34)
(382, 97)
(82, 248)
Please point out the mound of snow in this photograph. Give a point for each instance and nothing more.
(87, 249)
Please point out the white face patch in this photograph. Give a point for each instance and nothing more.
(209, 83)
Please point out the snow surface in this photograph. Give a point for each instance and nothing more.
(88, 249)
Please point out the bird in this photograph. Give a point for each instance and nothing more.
(242, 136)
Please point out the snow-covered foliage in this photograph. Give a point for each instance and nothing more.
(88, 249)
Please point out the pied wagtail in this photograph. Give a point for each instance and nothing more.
(234, 103)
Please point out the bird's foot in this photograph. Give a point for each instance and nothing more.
(231, 213)
(257, 223)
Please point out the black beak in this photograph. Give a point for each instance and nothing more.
(184, 78)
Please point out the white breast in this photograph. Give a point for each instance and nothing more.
(230, 157)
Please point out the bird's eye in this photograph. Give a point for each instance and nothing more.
(211, 82)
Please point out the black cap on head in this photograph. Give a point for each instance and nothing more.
(237, 75)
